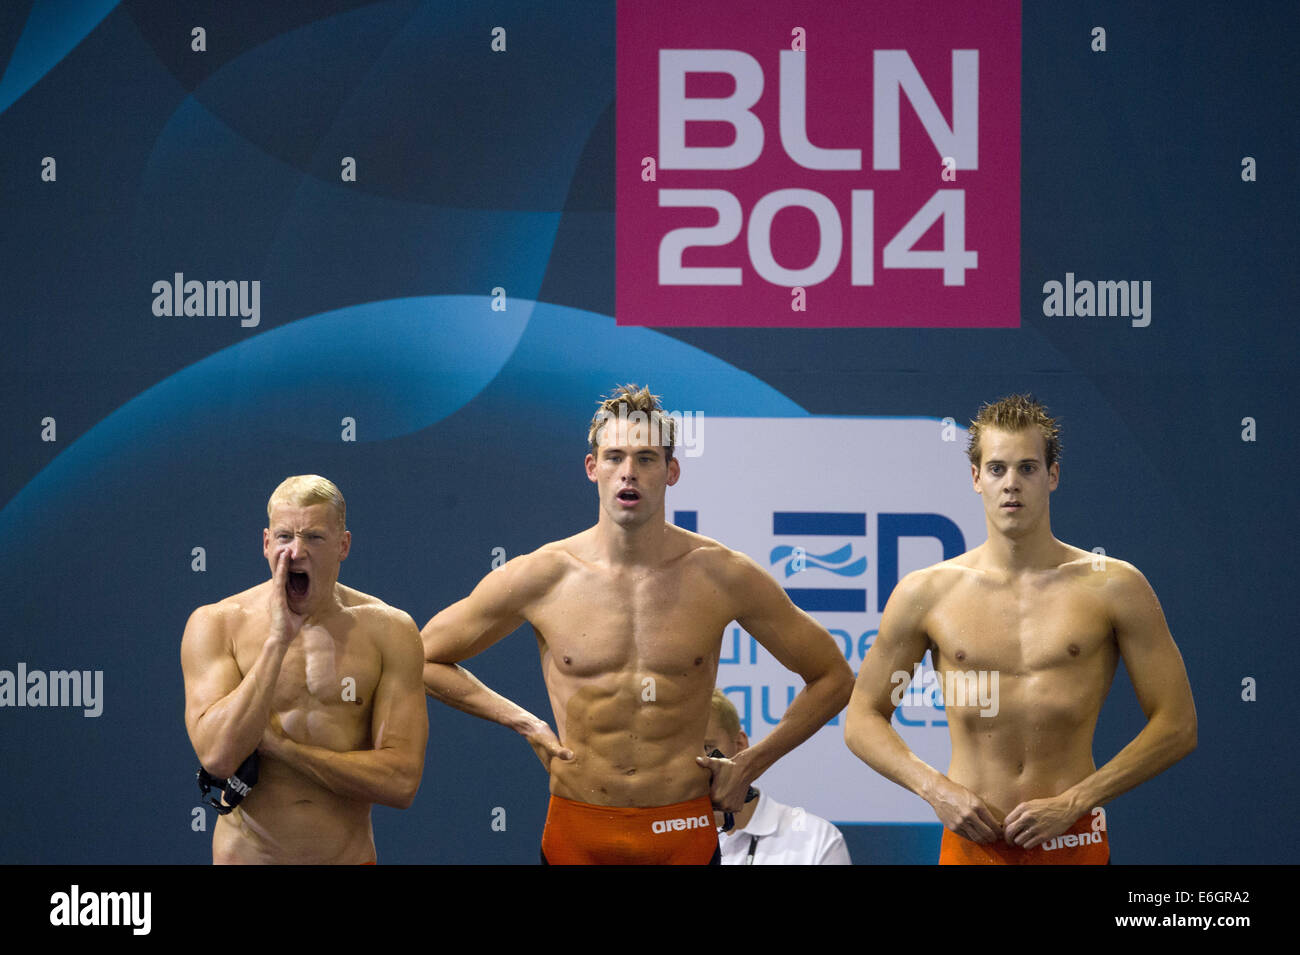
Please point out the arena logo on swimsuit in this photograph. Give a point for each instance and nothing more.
(660, 826)
(1072, 839)
(769, 173)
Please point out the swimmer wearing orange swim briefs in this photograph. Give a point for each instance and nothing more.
(580, 834)
(629, 616)
(1025, 633)
(1084, 843)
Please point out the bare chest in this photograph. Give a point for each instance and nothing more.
(1020, 628)
(325, 668)
(668, 621)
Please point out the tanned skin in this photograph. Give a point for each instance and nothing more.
(1052, 621)
(629, 617)
(265, 669)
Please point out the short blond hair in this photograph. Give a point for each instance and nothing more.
(628, 400)
(304, 490)
(1013, 414)
(726, 713)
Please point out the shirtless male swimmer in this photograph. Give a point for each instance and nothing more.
(322, 680)
(629, 617)
(1048, 622)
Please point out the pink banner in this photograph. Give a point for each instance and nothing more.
(810, 164)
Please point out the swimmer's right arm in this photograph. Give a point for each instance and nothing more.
(900, 644)
(494, 610)
(226, 712)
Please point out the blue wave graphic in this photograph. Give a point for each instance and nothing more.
(394, 367)
(52, 31)
(814, 561)
(397, 368)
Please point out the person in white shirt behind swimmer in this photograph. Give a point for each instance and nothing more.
(767, 832)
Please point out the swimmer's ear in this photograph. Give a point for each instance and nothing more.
(674, 471)
(345, 545)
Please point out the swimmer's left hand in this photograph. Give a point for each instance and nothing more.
(1038, 820)
(730, 781)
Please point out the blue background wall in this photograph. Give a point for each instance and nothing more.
(478, 170)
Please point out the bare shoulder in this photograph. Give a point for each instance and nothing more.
(509, 590)
(921, 589)
(727, 567)
(227, 614)
(380, 620)
(363, 603)
(535, 573)
(212, 632)
(1113, 578)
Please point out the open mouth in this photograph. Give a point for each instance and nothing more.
(628, 495)
(298, 584)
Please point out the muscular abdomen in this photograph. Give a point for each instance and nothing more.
(634, 741)
(289, 819)
(1034, 740)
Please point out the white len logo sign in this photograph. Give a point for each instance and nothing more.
(842, 510)
(812, 164)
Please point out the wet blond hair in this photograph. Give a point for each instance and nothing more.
(1015, 413)
(627, 400)
(304, 490)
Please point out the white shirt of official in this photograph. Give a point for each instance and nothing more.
(782, 835)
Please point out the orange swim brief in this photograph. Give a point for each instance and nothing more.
(1078, 845)
(578, 833)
